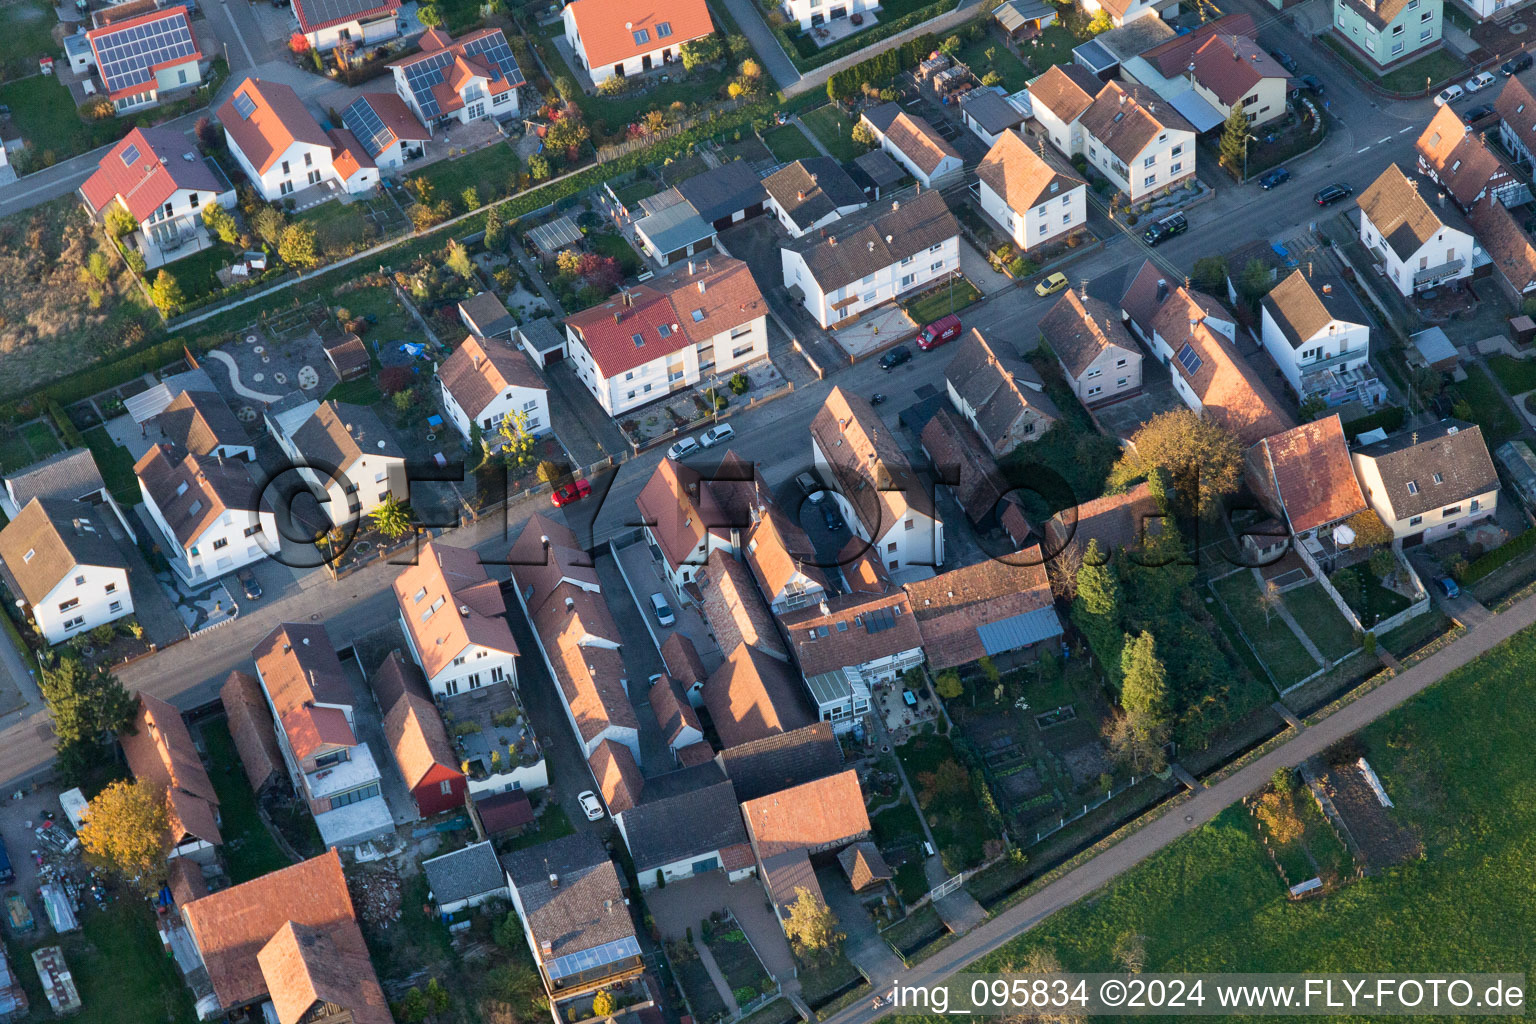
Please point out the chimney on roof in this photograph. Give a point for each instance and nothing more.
(871, 246)
(703, 286)
(1327, 289)
(800, 195)
(1122, 99)
(832, 241)
(570, 604)
(629, 300)
(545, 946)
(692, 268)
(617, 316)
(1162, 289)
(544, 539)
(464, 610)
(1442, 199)
(1415, 437)
(608, 905)
(306, 641)
(826, 609)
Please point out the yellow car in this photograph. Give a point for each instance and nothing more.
(1051, 285)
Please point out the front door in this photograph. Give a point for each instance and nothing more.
(645, 62)
(706, 865)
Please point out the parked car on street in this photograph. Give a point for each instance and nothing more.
(662, 609)
(1051, 285)
(1480, 81)
(1278, 176)
(718, 434)
(1330, 194)
(944, 329)
(248, 584)
(1307, 82)
(895, 357)
(574, 491)
(1175, 224)
(812, 488)
(1472, 115)
(591, 805)
(687, 446)
(1284, 59)
(1450, 94)
(1515, 65)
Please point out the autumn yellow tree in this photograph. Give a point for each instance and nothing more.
(603, 1003)
(812, 927)
(125, 833)
(1204, 460)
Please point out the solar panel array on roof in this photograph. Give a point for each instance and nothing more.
(879, 621)
(364, 122)
(597, 956)
(127, 56)
(130, 155)
(244, 105)
(422, 75)
(1189, 360)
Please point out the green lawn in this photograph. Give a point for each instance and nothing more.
(1414, 633)
(1517, 375)
(249, 849)
(491, 172)
(821, 980)
(357, 392)
(1053, 46)
(1209, 902)
(1366, 595)
(28, 36)
(951, 297)
(835, 130)
(1488, 408)
(1287, 659)
(395, 323)
(916, 930)
(41, 439)
(116, 466)
(788, 142)
(608, 114)
(197, 273)
(118, 963)
(44, 114)
(958, 830)
(1015, 75)
(615, 246)
(1322, 620)
(340, 228)
(14, 453)
(1432, 68)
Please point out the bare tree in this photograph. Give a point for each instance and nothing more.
(1269, 600)
(1062, 572)
(1131, 951)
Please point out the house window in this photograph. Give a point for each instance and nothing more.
(1149, 161)
(642, 36)
(890, 548)
(221, 544)
(1177, 150)
(1476, 505)
(1439, 479)
(1397, 47)
(906, 281)
(1424, 35)
(1179, 165)
(334, 757)
(1121, 382)
(1094, 372)
(1397, 30)
(1427, 16)
(909, 524)
(458, 660)
(498, 674)
(1416, 520)
(1413, 487)
(1453, 510)
(309, 160)
(743, 351)
(935, 268)
(663, 29)
(111, 588)
(356, 796)
(78, 620)
(1119, 363)
(445, 787)
(67, 605)
(474, 680)
(905, 260)
(285, 166)
(737, 332)
(935, 247)
(79, 581)
(1094, 390)
(251, 531)
(115, 606)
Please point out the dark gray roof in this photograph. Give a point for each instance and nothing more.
(463, 874)
(1015, 14)
(1301, 308)
(1451, 448)
(883, 116)
(71, 475)
(876, 238)
(542, 334)
(808, 190)
(674, 227)
(988, 108)
(585, 909)
(724, 190)
(878, 166)
(679, 822)
(997, 383)
(58, 535)
(777, 762)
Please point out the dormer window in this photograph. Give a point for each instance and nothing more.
(1413, 487)
(1439, 479)
(31, 553)
(642, 36)
(638, 340)
(419, 596)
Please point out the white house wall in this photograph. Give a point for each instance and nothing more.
(94, 602)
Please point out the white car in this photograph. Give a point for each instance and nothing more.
(717, 435)
(1480, 81)
(687, 446)
(592, 805)
(662, 609)
(1450, 94)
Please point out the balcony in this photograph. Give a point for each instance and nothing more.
(1434, 275)
(358, 770)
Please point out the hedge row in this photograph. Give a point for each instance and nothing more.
(880, 69)
(861, 40)
(67, 429)
(1388, 419)
(94, 379)
(1499, 557)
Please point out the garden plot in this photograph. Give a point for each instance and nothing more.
(1377, 834)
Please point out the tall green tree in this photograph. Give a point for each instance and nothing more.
(458, 260)
(1144, 693)
(1203, 459)
(89, 706)
(812, 926)
(1234, 138)
(1098, 588)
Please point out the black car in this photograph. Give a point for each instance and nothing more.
(1284, 59)
(1307, 82)
(1278, 176)
(832, 517)
(1330, 194)
(1515, 65)
(895, 357)
(1476, 114)
(1166, 229)
(248, 584)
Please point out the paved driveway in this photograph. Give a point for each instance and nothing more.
(864, 946)
(682, 905)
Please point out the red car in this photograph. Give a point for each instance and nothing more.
(937, 333)
(571, 492)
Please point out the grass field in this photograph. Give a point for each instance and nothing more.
(1015, 75)
(249, 849)
(28, 36)
(340, 228)
(1517, 375)
(41, 439)
(116, 466)
(941, 301)
(394, 322)
(835, 130)
(1209, 902)
(355, 392)
(198, 272)
(44, 114)
(788, 142)
(1287, 659)
(1488, 408)
(119, 967)
(491, 172)
(1367, 596)
(1322, 620)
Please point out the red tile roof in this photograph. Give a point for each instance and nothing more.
(951, 606)
(812, 816)
(1230, 65)
(145, 170)
(449, 603)
(752, 695)
(142, 69)
(1066, 90)
(1506, 243)
(480, 369)
(250, 725)
(300, 671)
(618, 776)
(1309, 469)
(414, 729)
(160, 752)
(852, 629)
(232, 927)
(1171, 58)
(305, 966)
(607, 27)
(690, 308)
(278, 121)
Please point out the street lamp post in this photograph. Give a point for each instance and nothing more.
(1247, 138)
